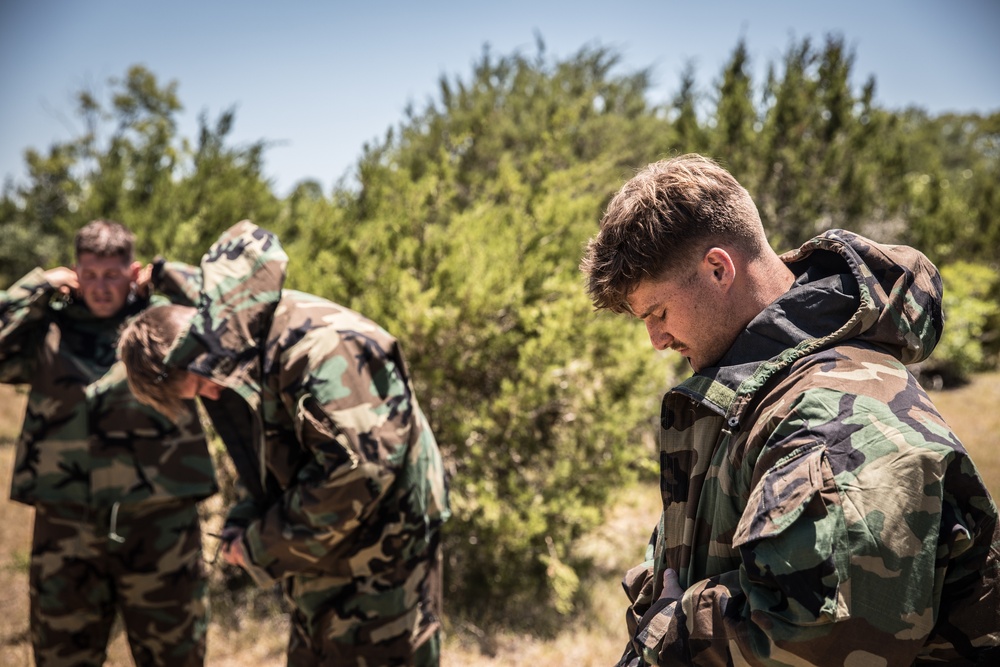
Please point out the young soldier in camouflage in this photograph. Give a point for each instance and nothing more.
(816, 508)
(346, 486)
(113, 483)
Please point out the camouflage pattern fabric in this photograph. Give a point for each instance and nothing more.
(86, 440)
(301, 654)
(177, 281)
(88, 446)
(816, 507)
(320, 635)
(350, 484)
(79, 576)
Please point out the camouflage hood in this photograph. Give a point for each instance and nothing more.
(847, 289)
(242, 278)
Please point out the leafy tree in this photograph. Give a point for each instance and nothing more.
(683, 111)
(971, 312)
(173, 197)
(953, 167)
(36, 217)
(814, 154)
(220, 185)
(735, 132)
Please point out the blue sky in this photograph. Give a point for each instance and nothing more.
(320, 79)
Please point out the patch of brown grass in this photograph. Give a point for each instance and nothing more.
(973, 413)
(15, 539)
(12, 402)
(594, 635)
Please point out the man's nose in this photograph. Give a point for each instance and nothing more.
(659, 338)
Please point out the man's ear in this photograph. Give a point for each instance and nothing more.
(133, 271)
(719, 265)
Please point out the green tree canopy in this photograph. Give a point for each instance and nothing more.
(130, 165)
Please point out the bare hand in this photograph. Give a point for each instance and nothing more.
(232, 548)
(143, 281)
(63, 279)
(671, 586)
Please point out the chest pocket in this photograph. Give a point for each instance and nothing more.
(321, 437)
(793, 542)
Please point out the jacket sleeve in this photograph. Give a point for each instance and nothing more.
(638, 585)
(354, 420)
(22, 312)
(179, 282)
(845, 545)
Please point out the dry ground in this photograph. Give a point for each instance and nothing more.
(244, 635)
(973, 412)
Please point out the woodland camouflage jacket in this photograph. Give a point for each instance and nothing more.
(86, 440)
(343, 473)
(816, 506)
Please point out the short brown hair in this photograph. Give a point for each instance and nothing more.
(669, 211)
(143, 347)
(105, 238)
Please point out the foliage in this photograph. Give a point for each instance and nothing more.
(972, 311)
(953, 187)
(176, 198)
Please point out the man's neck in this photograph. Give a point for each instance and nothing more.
(768, 279)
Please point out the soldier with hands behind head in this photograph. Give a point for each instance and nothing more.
(114, 484)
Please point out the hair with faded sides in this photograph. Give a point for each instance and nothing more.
(143, 347)
(661, 219)
(106, 238)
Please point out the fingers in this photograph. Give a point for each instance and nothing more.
(232, 553)
(671, 585)
(232, 548)
(146, 274)
(143, 280)
(63, 279)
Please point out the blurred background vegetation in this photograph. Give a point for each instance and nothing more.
(461, 231)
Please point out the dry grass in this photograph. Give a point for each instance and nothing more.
(973, 413)
(595, 637)
(254, 632)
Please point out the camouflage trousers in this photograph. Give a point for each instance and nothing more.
(355, 623)
(147, 565)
